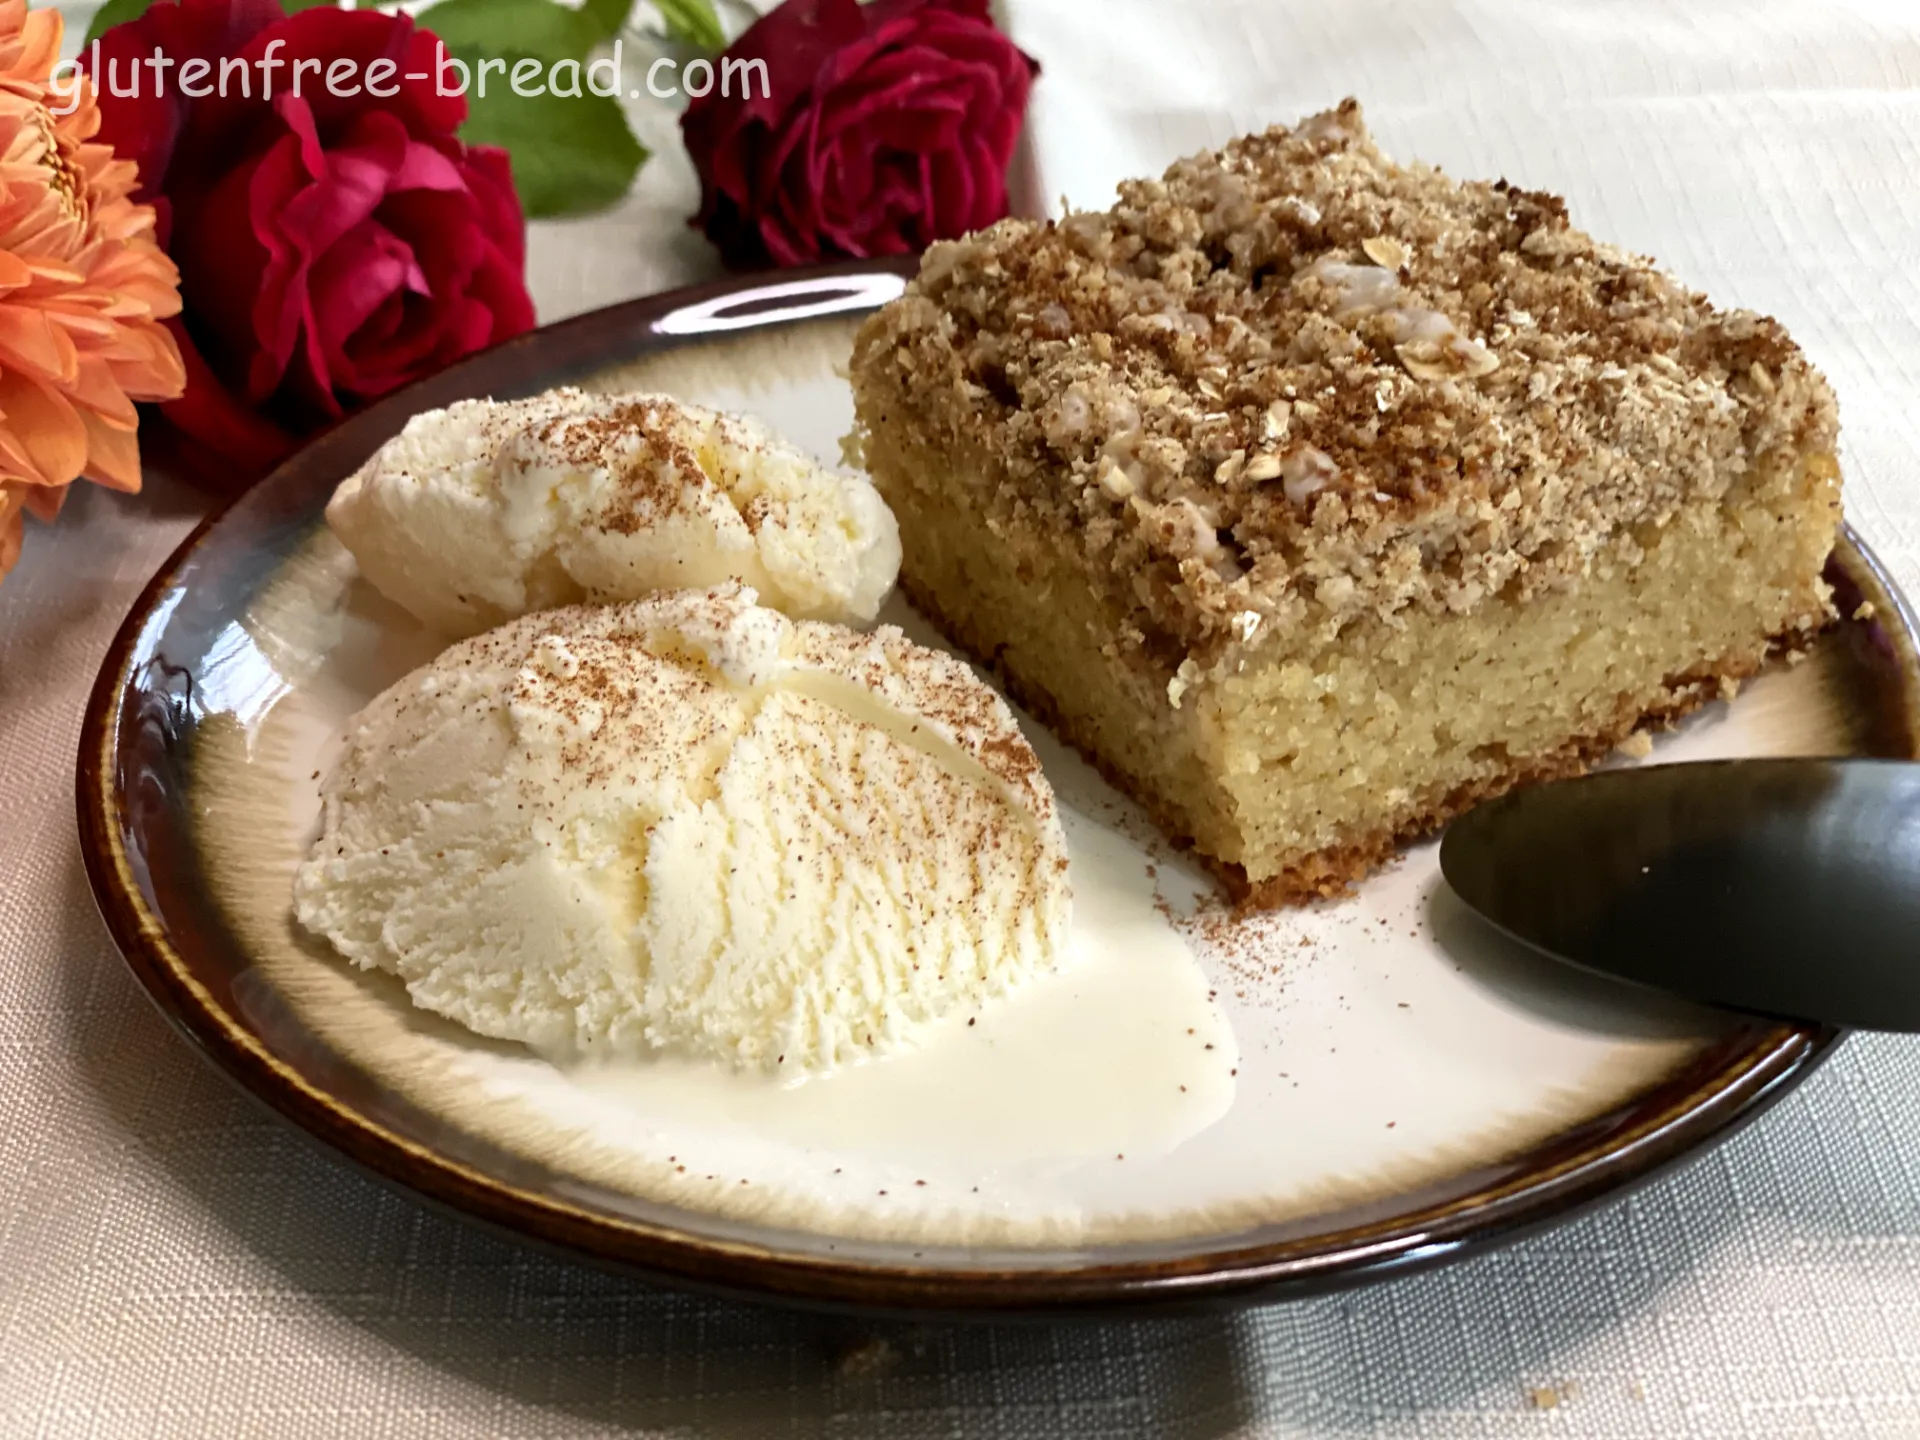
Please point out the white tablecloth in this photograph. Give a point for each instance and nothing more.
(173, 1262)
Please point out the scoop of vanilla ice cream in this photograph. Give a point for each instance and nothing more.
(691, 822)
(490, 509)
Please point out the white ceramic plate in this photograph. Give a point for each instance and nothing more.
(1370, 1082)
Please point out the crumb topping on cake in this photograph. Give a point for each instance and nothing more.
(1293, 383)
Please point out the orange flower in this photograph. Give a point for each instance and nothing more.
(83, 288)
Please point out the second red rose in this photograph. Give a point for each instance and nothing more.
(841, 128)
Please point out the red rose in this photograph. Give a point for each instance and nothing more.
(332, 245)
(889, 125)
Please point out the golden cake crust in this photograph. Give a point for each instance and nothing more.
(1292, 384)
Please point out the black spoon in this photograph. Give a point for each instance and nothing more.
(1788, 888)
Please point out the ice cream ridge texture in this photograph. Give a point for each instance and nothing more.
(691, 823)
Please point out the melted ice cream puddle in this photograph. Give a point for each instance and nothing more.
(1120, 1050)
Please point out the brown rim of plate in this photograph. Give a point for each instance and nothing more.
(1598, 1159)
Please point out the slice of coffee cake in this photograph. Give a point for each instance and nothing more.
(1315, 497)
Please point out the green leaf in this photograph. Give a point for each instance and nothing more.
(294, 7)
(608, 17)
(114, 12)
(570, 154)
(693, 22)
(539, 28)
